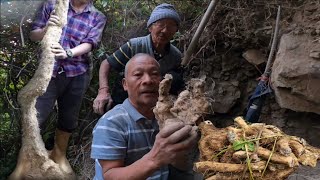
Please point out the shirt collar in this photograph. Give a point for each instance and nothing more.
(167, 48)
(88, 8)
(132, 111)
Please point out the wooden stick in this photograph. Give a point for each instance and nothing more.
(194, 41)
(273, 46)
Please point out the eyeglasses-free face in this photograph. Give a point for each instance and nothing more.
(168, 24)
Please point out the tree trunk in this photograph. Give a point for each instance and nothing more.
(33, 161)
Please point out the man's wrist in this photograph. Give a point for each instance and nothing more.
(150, 162)
(103, 90)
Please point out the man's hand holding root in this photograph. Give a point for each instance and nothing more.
(172, 142)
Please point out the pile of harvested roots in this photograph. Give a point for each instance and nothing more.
(243, 151)
(251, 151)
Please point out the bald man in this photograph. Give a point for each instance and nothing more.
(127, 143)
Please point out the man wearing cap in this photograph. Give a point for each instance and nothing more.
(162, 25)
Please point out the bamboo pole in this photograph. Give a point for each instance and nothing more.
(194, 41)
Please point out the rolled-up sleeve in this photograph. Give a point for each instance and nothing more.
(95, 34)
(43, 15)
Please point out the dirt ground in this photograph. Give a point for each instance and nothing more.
(237, 27)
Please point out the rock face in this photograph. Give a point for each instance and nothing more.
(296, 74)
(225, 96)
(254, 56)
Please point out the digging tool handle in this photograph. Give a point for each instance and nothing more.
(273, 46)
(198, 33)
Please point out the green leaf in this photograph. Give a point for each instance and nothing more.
(241, 144)
(250, 146)
(237, 145)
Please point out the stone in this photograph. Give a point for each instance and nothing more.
(254, 56)
(306, 173)
(225, 96)
(315, 54)
(295, 75)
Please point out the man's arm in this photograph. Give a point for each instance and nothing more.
(79, 50)
(170, 142)
(103, 96)
(37, 34)
(141, 169)
(117, 61)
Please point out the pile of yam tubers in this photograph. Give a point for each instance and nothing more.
(255, 151)
(242, 151)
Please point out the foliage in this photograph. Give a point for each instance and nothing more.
(241, 145)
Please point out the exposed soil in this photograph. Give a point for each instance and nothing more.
(238, 26)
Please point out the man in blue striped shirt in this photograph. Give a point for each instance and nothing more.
(127, 143)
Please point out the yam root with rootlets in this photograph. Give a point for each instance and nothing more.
(309, 158)
(205, 166)
(276, 175)
(189, 107)
(225, 153)
(212, 140)
(283, 146)
(276, 157)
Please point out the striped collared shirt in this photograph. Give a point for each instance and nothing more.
(84, 27)
(124, 134)
(169, 61)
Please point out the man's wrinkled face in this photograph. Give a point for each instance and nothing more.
(163, 30)
(142, 78)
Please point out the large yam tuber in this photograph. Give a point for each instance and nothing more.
(226, 167)
(308, 158)
(297, 148)
(283, 146)
(276, 157)
(190, 106)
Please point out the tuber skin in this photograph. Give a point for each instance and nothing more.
(190, 105)
(222, 157)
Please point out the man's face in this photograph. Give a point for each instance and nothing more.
(142, 82)
(163, 30)
(84, 1)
